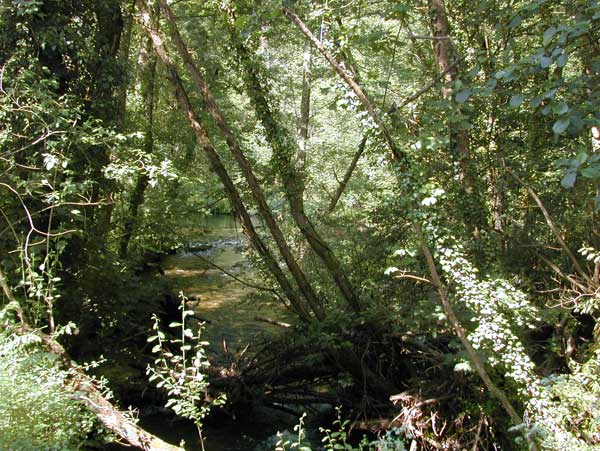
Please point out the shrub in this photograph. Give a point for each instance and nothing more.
(36, 410)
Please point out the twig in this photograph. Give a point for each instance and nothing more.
(478, 434)
(425, 88)
(411, 276)
(11, 298)
(351, 168)
(420, 36)
(568, 278)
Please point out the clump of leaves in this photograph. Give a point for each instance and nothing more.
(179, 368)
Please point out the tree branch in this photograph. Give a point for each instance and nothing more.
(554, 230)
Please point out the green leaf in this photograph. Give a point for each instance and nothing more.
(490, 84)
(175, 324)
(560, 108)
(548, 35)
(550, 93)
(563, 162)
(561, 61)
(516, 21)
(156, 348)
(592, 172)
(536, 102)
(545, 61)
(516, 100)
(568, 181)
(561, 125)
(463, 96)
(582, 157)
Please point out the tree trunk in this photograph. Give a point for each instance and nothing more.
(125, 57)
(245, 166)
(147, 92)
(218, 167)
(351, 82)
(108, 42)
(304, 120)
(477, 362)
(446, 58)
(284, 152)
(435, 278)
(101, 105)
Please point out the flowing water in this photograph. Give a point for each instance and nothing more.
(206, 272)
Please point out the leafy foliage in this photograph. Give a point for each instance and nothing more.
(36, 411)
(179, 369)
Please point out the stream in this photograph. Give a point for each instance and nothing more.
(230, 326)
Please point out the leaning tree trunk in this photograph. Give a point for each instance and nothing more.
(352, 83)
(244, 165)
(218, 167)
(342, 185)
(285, 150)
(304, 119)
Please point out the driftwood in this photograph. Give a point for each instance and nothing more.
(86, 390)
